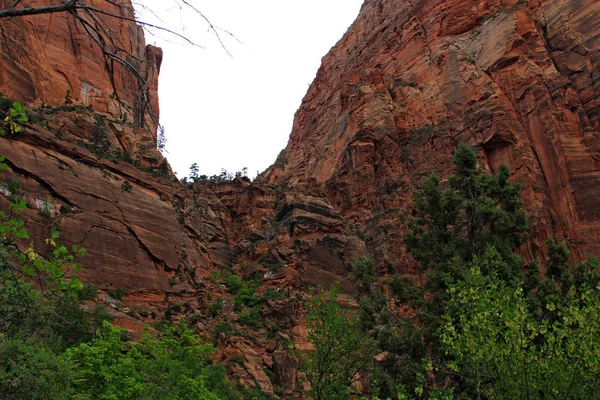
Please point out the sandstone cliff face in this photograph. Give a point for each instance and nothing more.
(409, 81)
(413, 78)
(42, 57)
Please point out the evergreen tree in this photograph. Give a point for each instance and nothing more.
(194, 171)
(476, 210)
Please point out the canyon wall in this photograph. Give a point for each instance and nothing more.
(408, 82)
(411, 79)
(94, 58)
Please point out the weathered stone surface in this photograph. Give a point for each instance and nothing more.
(134, 239)
(412, 79)
(44, 56)
(409, 81)
(285, 368)
(252, 374)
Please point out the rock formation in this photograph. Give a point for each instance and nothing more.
(410, 79)
(53, 58)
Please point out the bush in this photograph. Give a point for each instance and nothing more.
(233, 283)
(225, 328)
(216, 307)
(245, 296)
(88, 292)
(252, 318)
(29, 371)
(126, 186)
(117, 294)
(171, 366)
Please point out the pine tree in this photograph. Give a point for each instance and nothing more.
(477, 210)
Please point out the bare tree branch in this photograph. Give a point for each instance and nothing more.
(68, 5)
(95, 22)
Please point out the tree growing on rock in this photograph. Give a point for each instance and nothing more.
(342, 350)
(451, 225)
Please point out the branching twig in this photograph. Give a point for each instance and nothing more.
(68, 5)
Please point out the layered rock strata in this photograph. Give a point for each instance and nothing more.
(412, 78)
(409, 80)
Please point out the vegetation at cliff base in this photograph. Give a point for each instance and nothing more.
(341, 349)
(481, 323)
(50, 348)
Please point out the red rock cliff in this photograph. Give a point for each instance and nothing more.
(44, 56)
(408, 81)
(519, 79)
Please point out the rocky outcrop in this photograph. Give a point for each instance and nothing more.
(61, 58)
(410, 79)
(413, 78)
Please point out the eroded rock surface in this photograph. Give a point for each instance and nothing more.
(55, 58)
(410, 79)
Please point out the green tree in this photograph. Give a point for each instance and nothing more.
(450, 226)
(194, 172)
(504, 342)
(50, 312)
(31, 371)
(397, 338)
(342, 349)
(172, 366)
(451, 223)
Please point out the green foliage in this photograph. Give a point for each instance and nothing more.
(117, 293)
(397, 337)
(171, 366)
(449, 226)
(341, 348)
(99, 143)
(161, 144)
(233, 283)
(17, 114)
(274, 294)
(251, 318)
(246, 297)
(488, 326)
(31, 371)
(507, 342)
(50, 312)
(477, 210)
(223, 328)
(216, 307)
(126, 186)
(224, 176)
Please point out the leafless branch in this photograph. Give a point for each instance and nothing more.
(95, 22)
(68, 5)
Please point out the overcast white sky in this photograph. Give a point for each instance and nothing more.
(234, 112)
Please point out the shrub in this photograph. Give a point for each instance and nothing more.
(117, 294)
(32, 372)
(252, 318)
(225, 328)
(126, 186)
(88, 292)
(216, 307)
(245, 296)
(233, 283)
